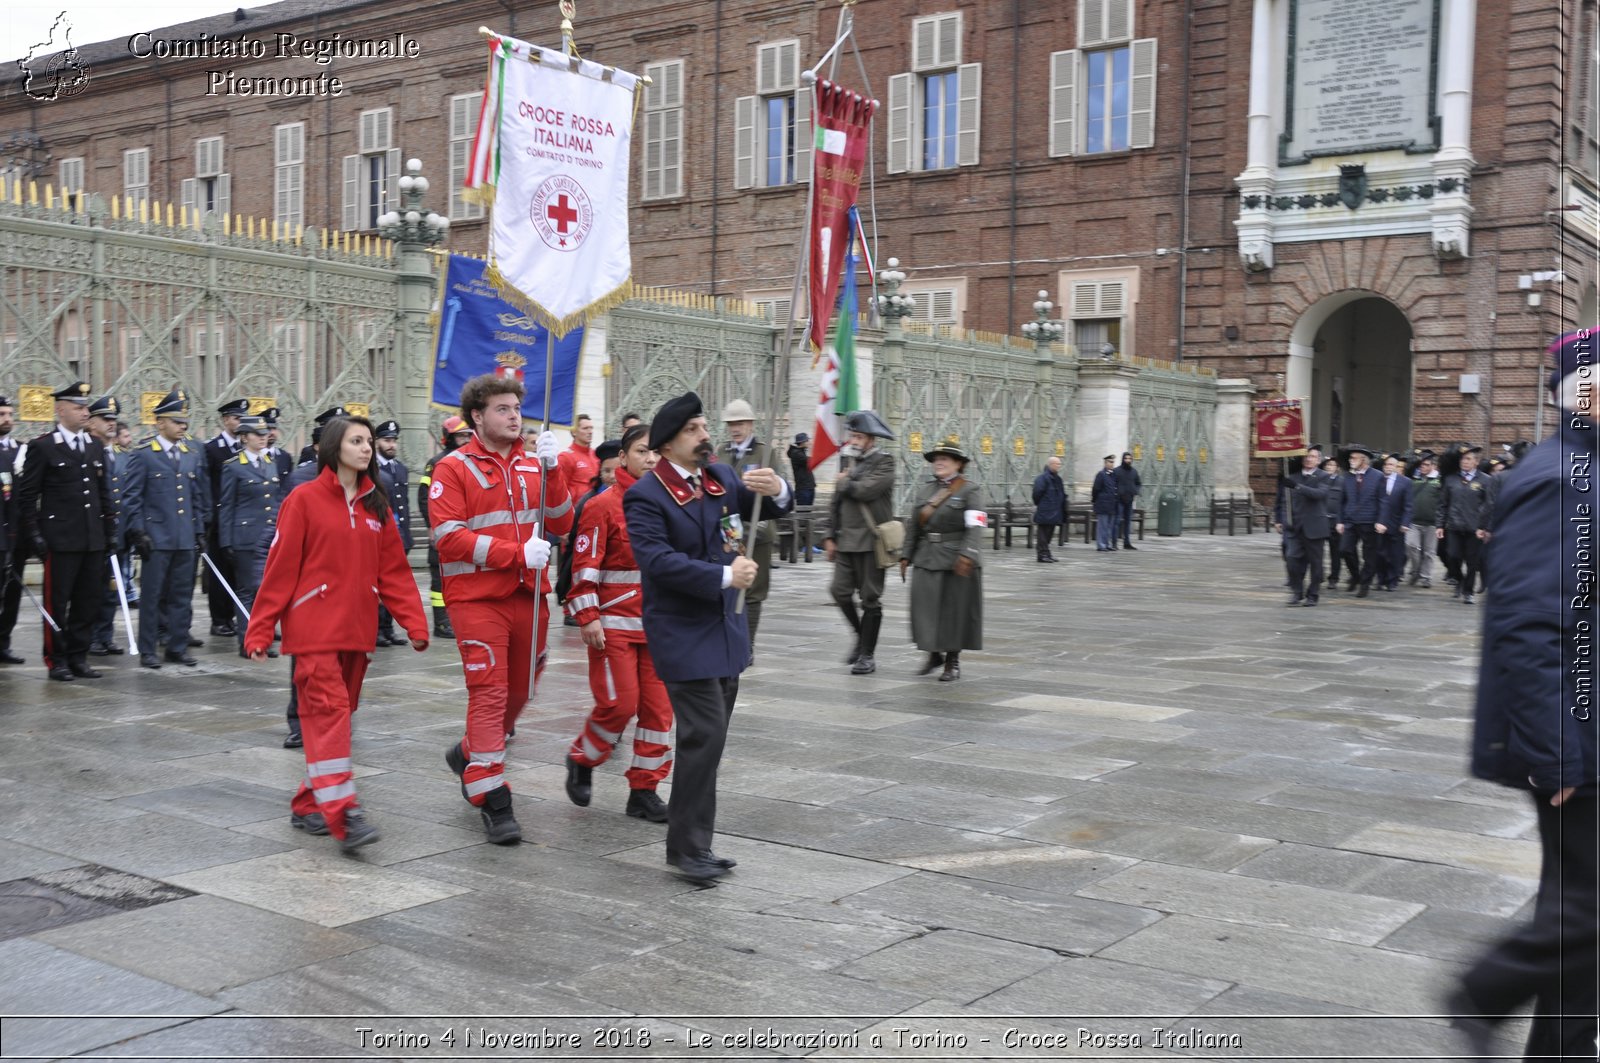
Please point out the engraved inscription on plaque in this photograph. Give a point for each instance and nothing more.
(1361, 77)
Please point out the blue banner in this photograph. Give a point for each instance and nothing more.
(479, 332)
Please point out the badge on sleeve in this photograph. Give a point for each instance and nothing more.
(436, 490)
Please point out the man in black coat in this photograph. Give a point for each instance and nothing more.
(1128, 487)
(805, 481)
(395, 476)
(1394, 521)
(1535, 725)
(14, 551)
(219, 448)
(69, 520)
(1103, 499)
(1049, 507)
(1301, 514)
(1462, 504)
(1358, 519)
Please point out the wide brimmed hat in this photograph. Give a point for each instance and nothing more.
(1357, 448)
(868, 424)
(738, 410)
(950, 447)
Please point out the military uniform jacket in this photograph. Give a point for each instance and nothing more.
(871, 482)
(218, 452)
(394, 475)
(283, 460)
(64, 495)
(169, 499)
(762, 456)
(116, 470)
(10, 531)
(955, 529)
(1463, 506)
(251, 495)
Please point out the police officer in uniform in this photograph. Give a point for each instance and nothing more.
(69, 520)
(13, 554)
(252, 489)
(219, 449)
(386, 440)
(103, 414)
(863, 498)
(743, 452)
(168, 500)
(454, 433)
(280, 457)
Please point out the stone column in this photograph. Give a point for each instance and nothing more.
(1256, 182)
(1104, 419)
(413, 336)
(1230, 438)
(1452, 165)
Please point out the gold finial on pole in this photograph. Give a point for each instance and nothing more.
(569, 11)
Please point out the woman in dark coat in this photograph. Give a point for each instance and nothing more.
(944, 544)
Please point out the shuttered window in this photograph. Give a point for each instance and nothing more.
(289, 173)
(663, 130)
(136, 175)
(209, 191)
(1104, 22)
(463, 127)
(935, 110)
(939, 306)
(1103, 99)
(371, 177)
(772, 129)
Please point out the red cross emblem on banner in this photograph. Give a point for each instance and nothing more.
(562, 213)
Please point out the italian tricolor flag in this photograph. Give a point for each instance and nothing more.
(840, 392)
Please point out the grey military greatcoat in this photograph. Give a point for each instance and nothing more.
(946, 609)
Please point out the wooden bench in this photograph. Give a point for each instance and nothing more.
(797, 532)
(1084, 516)
(1009, 518)
(1236, 509)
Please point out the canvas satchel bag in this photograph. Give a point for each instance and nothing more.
(888, 538)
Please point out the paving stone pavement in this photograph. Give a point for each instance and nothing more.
(1160, 816)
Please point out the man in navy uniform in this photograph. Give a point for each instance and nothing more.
(686, 523)
(69, 520)
(103, 423)
(1358, 519)
(395, 476)
(13, 554)
(252, 489)
(280, 457)
(168, 500)
(220, 448)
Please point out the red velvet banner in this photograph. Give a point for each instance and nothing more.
(838, 159)
(1280, 428)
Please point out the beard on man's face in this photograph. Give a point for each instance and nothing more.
(704, 453)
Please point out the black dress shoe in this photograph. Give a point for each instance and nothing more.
(196, 642)
(443, 631)
(293, 740)
(7, 657)
(1362, 593)
(1310, 602)
(644, 804)
(149, 660)
(181, 657)
(61, 673)
(272, 652)
(721, 861)
(934, 660)
(952, 672)
(1129, 546)
(83, 671)
(696, 869)
(114, 650)
(1296, 600)
(311, 822)
(580, 783)
(99, 649)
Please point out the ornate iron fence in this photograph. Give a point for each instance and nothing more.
(1172, 413)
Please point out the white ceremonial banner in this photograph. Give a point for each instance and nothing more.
(551, 155)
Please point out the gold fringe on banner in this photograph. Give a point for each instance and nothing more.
(562, 325)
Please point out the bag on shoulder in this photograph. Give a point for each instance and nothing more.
(888, 538)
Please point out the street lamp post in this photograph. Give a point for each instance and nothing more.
(415, 230)
(1041, 330)
(413, 227)
(893, 307)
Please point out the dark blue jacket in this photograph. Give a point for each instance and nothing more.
(1361, 504)
(689, 619)
(1302, 504)
(395, 476)
(251, 494)
(1103, 493)
(1049, 499)
(168, 500)
(1535, 719)
(1394, 507)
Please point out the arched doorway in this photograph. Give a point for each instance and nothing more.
(1350, 354)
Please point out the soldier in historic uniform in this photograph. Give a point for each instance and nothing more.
(863, 498)
(1462, 509)
(103, 423)
(13, 551)
(395, 478)
(218, 450)
(168, 500)
(69, 520)
(252, 490)
(743, 452)
(944, 546)
(454, 433)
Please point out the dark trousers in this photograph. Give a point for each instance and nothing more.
(1552, 959)
(436, 588)
(1046, 535)
(1366, 537)
(217, 600)
(1464, 549)
(1125, 518)
(293, 711)
(110, 605)
(11, 598)
(166, 600)
(72, 594)
(805, 496)
(246, 576)
(1391, 557)
(702, 708)
(1300, 554)
(1335, 557)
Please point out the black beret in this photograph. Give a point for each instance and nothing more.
(236, 408)
(611, 448)
(670, 419)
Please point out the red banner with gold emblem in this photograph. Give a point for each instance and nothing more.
(841, 119)
(1280, 428)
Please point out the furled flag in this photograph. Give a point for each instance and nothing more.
(479, 332)
(842, 119)
(551, 157)
(840, 390)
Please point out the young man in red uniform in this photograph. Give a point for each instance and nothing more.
(578, 463)
(606, 601)
(483, 505)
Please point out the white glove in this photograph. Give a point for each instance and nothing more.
(547, 448)
(536, 552)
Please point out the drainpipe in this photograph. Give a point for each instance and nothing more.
(1183, 200)
(1016, 94)
(716, 138)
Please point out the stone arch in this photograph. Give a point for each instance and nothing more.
(1350, 355)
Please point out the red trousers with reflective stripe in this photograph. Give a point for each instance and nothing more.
(495, 638)
(329, 687)
(625, 685)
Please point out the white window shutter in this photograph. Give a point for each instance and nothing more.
(672, 84)
(1142, 94)
(366, 134)
(1091, 23)
(656, 75)
(947, 40)
(969, 86)
(1064, 102)
(802, 136)
(350, 216)
(744, 141)
(186, 193)
(652, 153)
(1085, 299)
(777, 67)
(942, 304)
(70, 175)
(391, 184)
(672, 152)
(901, 91)
(458, 116)
(924, 43)
(1118, 20)
(789, 66)
(1113, 299)
(385, 130)
(224, 194)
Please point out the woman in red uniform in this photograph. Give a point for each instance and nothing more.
(337, 552)
(605, 601)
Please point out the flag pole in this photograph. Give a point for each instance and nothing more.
(538, 526)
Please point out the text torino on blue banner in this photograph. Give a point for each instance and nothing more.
(479, 332)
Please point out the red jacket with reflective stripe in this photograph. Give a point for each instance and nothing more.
(330, 564)
(580, 467)
(483, 508)
(605, 579)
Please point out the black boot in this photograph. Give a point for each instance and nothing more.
(499, 825)
(934, 660)
(644, 804)
(580, 782)
(441, 625)
(871, 621)
(952, 668)
(852, 618)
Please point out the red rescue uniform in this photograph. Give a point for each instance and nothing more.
(580, 467)
(483, 508)
(330, 563)
(606, 587)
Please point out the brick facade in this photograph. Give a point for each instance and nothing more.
(1011, 225)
